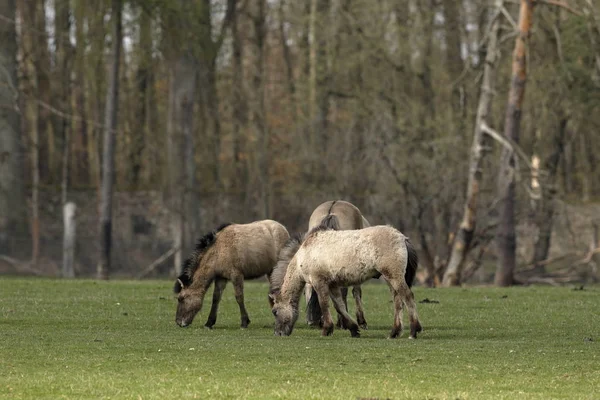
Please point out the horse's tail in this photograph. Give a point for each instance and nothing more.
(412, 264)
(313, 309)
(331, 221)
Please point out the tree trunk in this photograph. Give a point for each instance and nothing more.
(28, 13)
(455, 65)
(260, 117)
(13, 225)
(110, 126)
(506, 237)
(240, 116)
(544, 216)
(62, 89)
(479, 148)
(143, 83)
(79, 134)
(69, 240)
(287, 58)
(174, 178)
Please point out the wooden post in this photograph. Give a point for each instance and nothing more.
(69, 213)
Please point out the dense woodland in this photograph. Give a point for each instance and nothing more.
(454, 121)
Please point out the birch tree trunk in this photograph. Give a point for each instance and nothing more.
(69, 236)
(108, 164)
(13, 223)
(506, 237)
(479, 148)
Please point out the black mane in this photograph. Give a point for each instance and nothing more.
(191, 263)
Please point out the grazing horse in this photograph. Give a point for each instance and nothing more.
(329, 259)
(232, 252)
(346, 216)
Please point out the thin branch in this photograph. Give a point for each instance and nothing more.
(560, 53)
(507, 142)
(509, 18)
(563, 5)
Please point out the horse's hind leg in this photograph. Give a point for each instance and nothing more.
(411, 306)
(323, 296)
(397, 298)
(220, 284)
(338, 302)
(238, 286)
(344, 297)
(360, 314)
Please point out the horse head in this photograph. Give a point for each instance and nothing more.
(189, 301)
(285, 314)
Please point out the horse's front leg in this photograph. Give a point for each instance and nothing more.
(220, 284)
(238, 285)
(360, 314)
(338, 302)
(322, 291)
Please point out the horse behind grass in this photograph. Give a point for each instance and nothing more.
(330, 259)
(232, 252)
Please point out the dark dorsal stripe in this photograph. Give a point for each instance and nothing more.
(191, 263)
(331, 207)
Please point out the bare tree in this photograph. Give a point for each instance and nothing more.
(506, 237)
(479, 148)
(110, 126)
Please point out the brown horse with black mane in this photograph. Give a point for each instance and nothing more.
(338, 215)
(232, 252)
(329, 259)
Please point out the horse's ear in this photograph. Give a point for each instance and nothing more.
(178, 286)
(273, 295)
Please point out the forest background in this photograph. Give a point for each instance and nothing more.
(469, 125)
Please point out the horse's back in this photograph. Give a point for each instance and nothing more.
(353, 255)
(253, 247)
(348, 215)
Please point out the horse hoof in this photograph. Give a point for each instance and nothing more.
(208, 327)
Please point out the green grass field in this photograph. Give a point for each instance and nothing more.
(86, 339)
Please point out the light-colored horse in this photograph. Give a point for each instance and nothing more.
(329, 259)
(232, 252)
(338, 215)
(349, 217)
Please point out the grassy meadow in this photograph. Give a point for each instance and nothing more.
(84, 339)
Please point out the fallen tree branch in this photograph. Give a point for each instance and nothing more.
(157, 262)
(21, 266)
